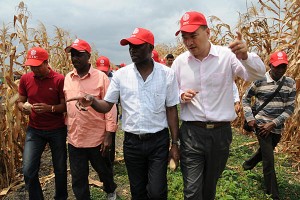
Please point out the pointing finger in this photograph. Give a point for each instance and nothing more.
(239, 35)
(73, 99)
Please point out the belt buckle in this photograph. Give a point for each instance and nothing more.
(210, 126)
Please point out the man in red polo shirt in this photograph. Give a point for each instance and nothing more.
(41, 97)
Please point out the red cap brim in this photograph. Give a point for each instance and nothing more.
(69, 48)
(188, 28)
(33, 62)
(279, 62)
(134, 41)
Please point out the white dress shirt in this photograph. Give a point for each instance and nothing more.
(143, 102)
(213, 78)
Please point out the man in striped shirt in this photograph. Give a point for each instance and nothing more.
(269, 122)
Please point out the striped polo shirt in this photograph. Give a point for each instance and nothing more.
(278, 109)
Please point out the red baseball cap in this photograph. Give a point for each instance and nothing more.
(36, 56)
(191, 21)
(278, 58)
(79, 45)
(122, 65)
(139, 36)
(155, 55)
(103, 63)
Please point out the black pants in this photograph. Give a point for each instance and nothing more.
(79, 165)
(203, 156)
(266, 155)
(146, 162)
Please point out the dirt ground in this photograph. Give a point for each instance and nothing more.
(46, 175)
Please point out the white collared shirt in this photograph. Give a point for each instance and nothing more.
(143, 102)
(213, 78)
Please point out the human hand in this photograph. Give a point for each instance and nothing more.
(265, 129)
(174, 157)
(82, 101)
(26, 108)
(237, 106)
(106, 145)
(188, 95)
(239, 47)
(41, 107)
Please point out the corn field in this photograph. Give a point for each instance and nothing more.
(272, 25)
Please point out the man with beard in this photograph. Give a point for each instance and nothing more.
(89, 136)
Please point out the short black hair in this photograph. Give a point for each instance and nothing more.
(169, 56)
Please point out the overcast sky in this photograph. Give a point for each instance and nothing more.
(104, 23)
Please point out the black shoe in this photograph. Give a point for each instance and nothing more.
(247, 166)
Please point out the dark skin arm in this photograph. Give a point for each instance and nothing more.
(105, 146)
(172, 118)
(100, 106)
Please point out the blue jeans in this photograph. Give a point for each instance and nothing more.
(146, 162)
(35, 143)
(203, 156)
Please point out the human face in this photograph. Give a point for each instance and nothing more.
(169, 62)
(79, 59)
(40, 71)
(197, 42)
(277, 72)
(140, 53)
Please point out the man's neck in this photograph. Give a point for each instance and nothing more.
(84, 71)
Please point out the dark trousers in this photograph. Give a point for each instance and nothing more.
(79, 165)
(266, 155)
(203, 156)
(146, 162)
(35, 143)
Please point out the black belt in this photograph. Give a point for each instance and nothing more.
(207, 125)
(147, 136)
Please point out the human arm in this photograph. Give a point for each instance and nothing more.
(253, 67)
(246, 100)
(43, 107)
(236, 97)
(172, 118)
(110, 127)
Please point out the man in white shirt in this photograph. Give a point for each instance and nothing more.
(148, 93)
(205, 75)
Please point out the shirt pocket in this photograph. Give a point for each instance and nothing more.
(157, 102)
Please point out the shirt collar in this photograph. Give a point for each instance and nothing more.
(91, 71)
(213, 51)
